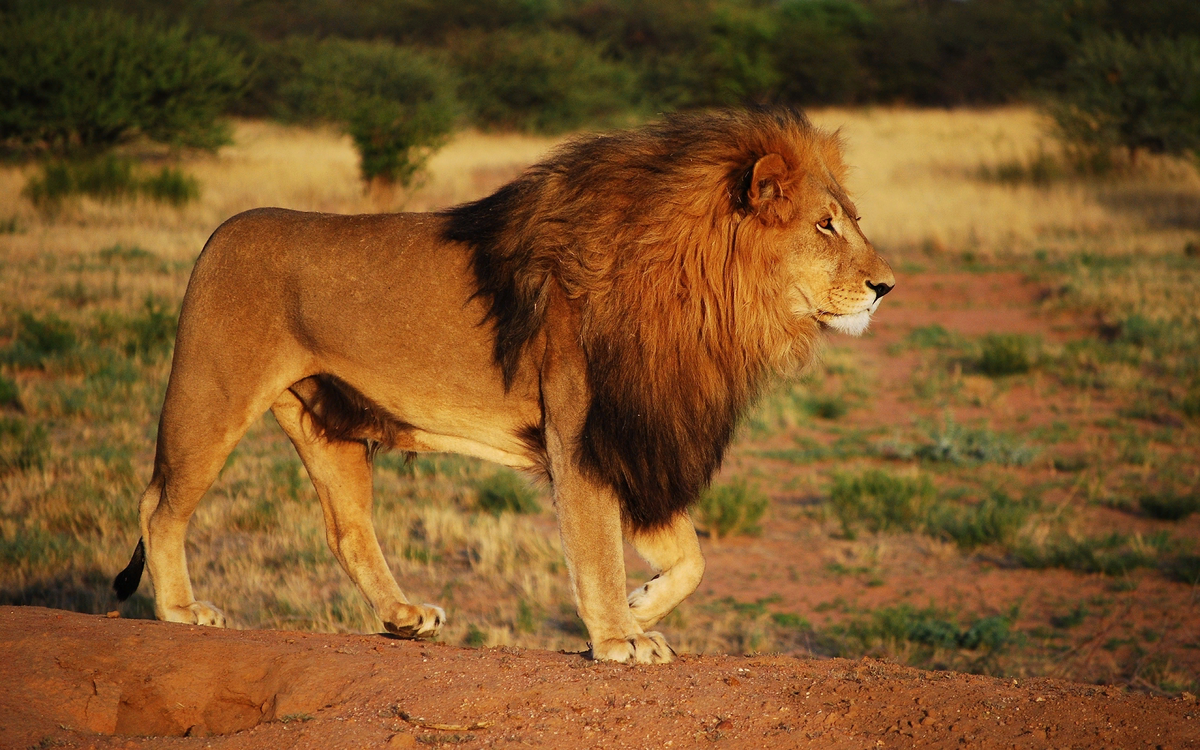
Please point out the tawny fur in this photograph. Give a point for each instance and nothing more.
(604, 320)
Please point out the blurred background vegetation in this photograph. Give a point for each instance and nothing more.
(399, 75)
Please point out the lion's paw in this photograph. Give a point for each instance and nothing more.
(643, 648)
(643, 605)
(415, 621)
(196, 613)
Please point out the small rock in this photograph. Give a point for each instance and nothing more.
(401, 740)
(113, 615)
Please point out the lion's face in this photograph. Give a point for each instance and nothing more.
(837, 276)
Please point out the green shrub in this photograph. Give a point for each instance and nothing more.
(152, 332)
(10, 394)
(23, 446)
(1005, 354)
(1169, 506)
(880, 501)
(505, 491)
(38, 340)
(994, 520)
(394, 140)
(958, 444)
(916, 635)
(1136, 95)
(398, 104)
(172, 186)
(110, 178)
(74, 79)
(1113, 554)
(727, 509)
(545, 81)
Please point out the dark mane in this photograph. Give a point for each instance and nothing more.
(683, 292)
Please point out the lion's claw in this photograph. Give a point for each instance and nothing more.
(413, 621)
(642, 648)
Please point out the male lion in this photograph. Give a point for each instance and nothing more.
(601, 321)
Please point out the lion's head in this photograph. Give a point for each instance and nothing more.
(705, 252)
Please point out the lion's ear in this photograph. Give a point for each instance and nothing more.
(766, 181)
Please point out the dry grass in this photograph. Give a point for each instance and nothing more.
(916, 184)
(257, 544)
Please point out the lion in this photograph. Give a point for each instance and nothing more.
(602, 322)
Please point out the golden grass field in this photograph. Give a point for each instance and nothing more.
(1090, 276)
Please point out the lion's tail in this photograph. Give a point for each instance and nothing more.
(127, 580)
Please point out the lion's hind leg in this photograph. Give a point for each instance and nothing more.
(674, 554)
(341, 472)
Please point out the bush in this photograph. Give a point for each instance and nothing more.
(1141, 95)
(152, 332)
(546, 81)
(85, 80)
(1113, 554)
(994, 520)
(505, 491)
(39, 339)
(1169, 506)
(957, 444)
(109, 178)
(1005, 354)
(22, 446)
(727, 509)
(396, 103)
(880, 501)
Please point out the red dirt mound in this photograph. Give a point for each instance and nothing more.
(72, 680)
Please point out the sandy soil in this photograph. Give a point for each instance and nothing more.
(75, 680)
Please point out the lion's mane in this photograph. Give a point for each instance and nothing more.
(683, 292)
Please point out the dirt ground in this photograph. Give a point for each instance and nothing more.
(89, 681)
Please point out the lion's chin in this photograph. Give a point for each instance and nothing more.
(851, 325)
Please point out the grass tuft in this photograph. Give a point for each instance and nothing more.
(727, 509)
(1169, 506)
(108, 178)
(1005, 354)
(23, 446)
(994, 520)
(880, 501)
(504, 491)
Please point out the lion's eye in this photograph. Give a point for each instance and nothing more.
(826, 225)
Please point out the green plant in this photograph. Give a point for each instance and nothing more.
(170, 185)
(23, 445)
(880, 501)
(152, 332)
(543, 81)
(75, 79)
(1169, 506)
(1112, 554)
(1137, 95)
(727, 509)
(995, 519)
(39, 339)
(10, 394)
(505, 491)
(958, 444)
(397, 103)
(924, 637)
(1005, 354)
(109, 178)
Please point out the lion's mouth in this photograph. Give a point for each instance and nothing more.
(851, 324)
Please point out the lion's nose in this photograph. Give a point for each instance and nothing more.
(880, 289)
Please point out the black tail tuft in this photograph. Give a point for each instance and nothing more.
(127, 580)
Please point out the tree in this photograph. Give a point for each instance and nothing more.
(79, 80)
(1133, 95)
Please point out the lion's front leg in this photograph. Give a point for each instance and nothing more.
(589, 520)
(674, 554)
